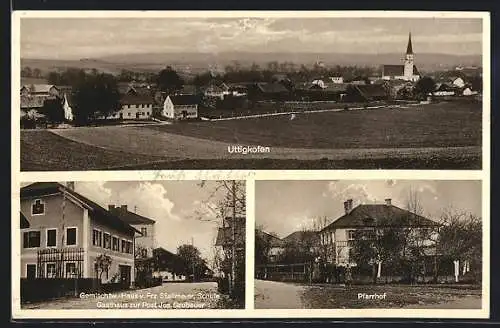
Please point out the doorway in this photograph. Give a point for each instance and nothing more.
(125, 276)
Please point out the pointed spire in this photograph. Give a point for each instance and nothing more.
(409, 48)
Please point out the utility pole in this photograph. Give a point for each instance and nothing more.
(192, 261)
(233, 228)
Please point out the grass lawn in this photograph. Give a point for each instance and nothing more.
(42, 150)
(327, 296)
(436, 125)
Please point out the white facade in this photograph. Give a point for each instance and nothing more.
(337, 79)
(68, 111)
(173, 111)
(135, 112)
(458, 82)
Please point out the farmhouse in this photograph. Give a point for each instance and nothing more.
(232, 233)
(145, 242)
(274, 245)
(67, 232)
(444, 89)
(180, 107)
(169, 266)
(268, 91)
(133, 107)
(367, 92)
(407, 72)
(341, 233)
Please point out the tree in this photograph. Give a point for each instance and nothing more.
(102, 264)
(37, 73)
(168, 80)
(97, 95)
(26, 72)
(424, 86)
(460, 238)
(53, 110)
(193, 263)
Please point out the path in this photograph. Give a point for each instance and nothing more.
(181, 295)
(278, 295)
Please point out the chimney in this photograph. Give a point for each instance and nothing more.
(70, 185)
(348, 206)
(123, 208)
(111, 207)
(388, 202)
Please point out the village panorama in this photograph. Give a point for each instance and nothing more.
(388, 93)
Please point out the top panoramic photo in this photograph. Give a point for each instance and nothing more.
(250, 90)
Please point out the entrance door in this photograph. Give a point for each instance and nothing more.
(125, 275)
(31, 271)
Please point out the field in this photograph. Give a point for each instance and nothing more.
(437, 136)
(437, 125)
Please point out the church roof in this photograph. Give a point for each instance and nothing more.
(409, 48)
(396, 70)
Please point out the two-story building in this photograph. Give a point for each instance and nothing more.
(340, 235)
(64, 234)
(145, 242)
(180, 107)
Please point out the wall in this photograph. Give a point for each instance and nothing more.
(192, 111)
(117, 257)
(135, 112)
(147, 242)
(52, 218)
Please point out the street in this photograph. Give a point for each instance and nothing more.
(279, 295)
(199, 295)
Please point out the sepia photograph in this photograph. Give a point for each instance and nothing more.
(246, 90)
(368, 244)
(143, 245)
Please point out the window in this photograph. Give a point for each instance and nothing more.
(38, 207)
(97, 238)
(351, 234)
(144, 232)
(107, 241)
(70, 236)
(123, 246)
(71, 269)
(129, 114)
(128, 247)
(31, 239)
(147, 113)
(51, 237)
(116, 244)
(50, 270)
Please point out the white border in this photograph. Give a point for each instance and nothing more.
(248, 175)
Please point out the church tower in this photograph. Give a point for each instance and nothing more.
(408, 67)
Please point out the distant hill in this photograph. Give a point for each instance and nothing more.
(195, 62)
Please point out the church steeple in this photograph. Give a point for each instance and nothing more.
(409, 48)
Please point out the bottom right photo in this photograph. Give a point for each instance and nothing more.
(346, 244)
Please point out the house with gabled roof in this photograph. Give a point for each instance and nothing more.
(146, 241)
(67, 233)
(180, 107)
(341, 233)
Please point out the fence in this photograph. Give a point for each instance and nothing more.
(299, 272)
(60, 263)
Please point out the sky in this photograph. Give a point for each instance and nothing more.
(181, 209)
(283, 207)
(75, 38)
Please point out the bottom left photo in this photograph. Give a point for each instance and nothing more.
(132, 245)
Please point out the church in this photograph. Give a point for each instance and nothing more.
(406, 72)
